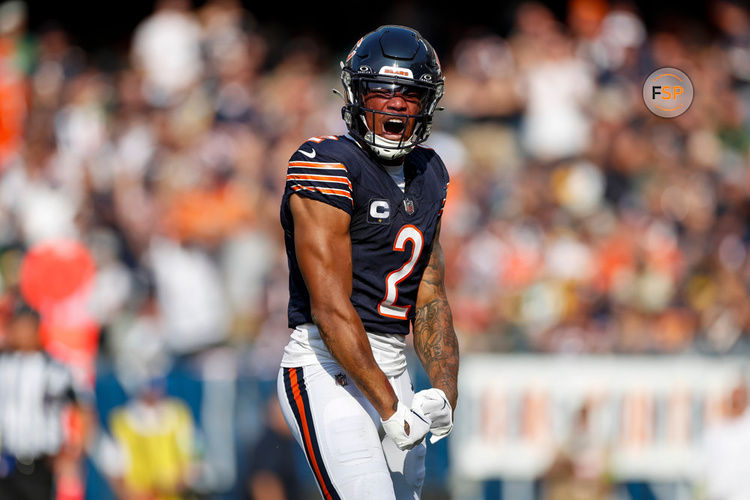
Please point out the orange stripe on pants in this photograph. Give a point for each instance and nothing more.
(306, 431)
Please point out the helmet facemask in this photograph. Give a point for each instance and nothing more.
(412, 129)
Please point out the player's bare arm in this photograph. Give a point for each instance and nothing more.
(323, 247)
(434, 337)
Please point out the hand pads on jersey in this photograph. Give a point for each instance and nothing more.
(433, 404)
(406, 427)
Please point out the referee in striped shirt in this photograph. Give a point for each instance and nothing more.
(34, 391)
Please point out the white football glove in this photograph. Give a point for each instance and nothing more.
(406, 427)
(433, 404)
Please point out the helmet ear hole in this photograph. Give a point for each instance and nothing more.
(346, 115)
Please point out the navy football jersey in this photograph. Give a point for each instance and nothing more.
(392, 232)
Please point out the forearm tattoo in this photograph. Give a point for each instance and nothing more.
(434, 337)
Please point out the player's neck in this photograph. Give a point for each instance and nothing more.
(392, 164)
(397, 174)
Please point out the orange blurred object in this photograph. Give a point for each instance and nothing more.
(208, 215)
(56, 279)
(53, 271)
(13, 104)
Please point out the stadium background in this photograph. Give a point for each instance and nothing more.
(579, 227)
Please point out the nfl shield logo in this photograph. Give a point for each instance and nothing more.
(409, 206)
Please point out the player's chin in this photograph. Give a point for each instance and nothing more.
(392, 137)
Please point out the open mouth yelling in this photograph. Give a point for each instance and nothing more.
(393, 128)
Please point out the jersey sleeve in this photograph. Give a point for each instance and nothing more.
(315, 172)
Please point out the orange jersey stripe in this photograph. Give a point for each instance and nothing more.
(322, 138)
(306, 431)
(310, 164)
(324, 178)
(335, 192)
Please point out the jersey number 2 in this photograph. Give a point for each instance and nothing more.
(387, 306)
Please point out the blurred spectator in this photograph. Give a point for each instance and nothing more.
(734, 22)
(166, 47)
(36, 395)
(273, 475)
(190, 296)
(724, 467)
(556, 86)
(156, 438)
(579, 471)
(14, 62)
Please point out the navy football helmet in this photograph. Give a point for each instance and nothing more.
(394, 59)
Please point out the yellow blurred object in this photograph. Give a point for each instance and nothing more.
(157, 440)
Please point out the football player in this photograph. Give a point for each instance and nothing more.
(361, 216)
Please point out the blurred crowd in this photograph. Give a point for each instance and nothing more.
(576, 221)
(579, 221)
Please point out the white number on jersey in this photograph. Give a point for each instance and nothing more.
(387, 306)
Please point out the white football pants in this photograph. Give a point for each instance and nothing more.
(340, 433)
